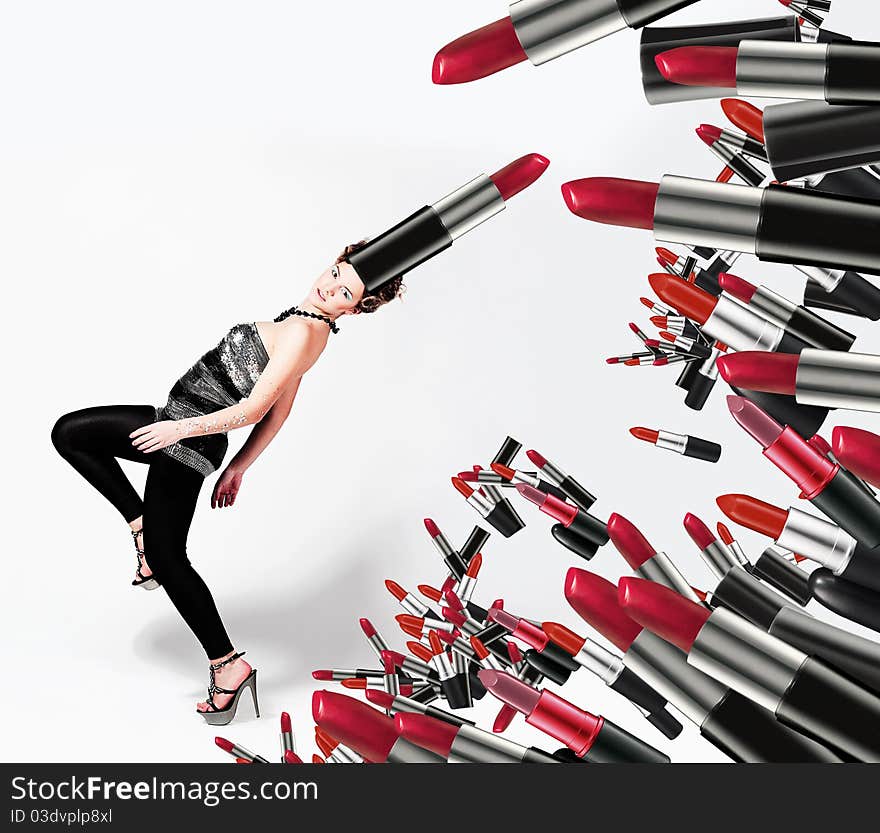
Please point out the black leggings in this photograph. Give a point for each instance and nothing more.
(90, 440)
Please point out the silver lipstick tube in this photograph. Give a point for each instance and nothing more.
(476, 746)
(553, 473)
(747, 659)
(773, 305)
(807, 14)
(288, 742)
(605, 665)
(243, 752)
(443, 666)
(466, 588)
(548, 29)
(660, 568)
(780, 69)
(493, 493)
(339, 674)
(412, 605)
(737, 555)
(343, 754)
(741, 166)
(702, 213)
(480, 503)
(416, 668)
(665, 668)
(828, 279)
(404, 752)
(530, 478)
(817, 539)
(741, 328)
(466, 207)
(676, 324)
(377, 643)
(718, 558)
(835, 379)
(744, 144)
(437, 624)
(670, 441)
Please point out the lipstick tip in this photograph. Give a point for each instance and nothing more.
(286, 725)
(225, 745)
(724, 533)
(468, 476)
(519, 174)
(612, 200)
(290, 757)
(536, 458)
(322, 674)
(709, 133)
(644, 434)
(379, 697)
(395, 589)
(367, 627)
(485, 51)
(663, 611)
(462, 487)
(745, 116)
(699, 66)
(700, 534)
(531, 493)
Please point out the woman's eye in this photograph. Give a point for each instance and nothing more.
(346, 294)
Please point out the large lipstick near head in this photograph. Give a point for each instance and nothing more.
(823, 378)
(502, 516)
(734, 724)
(369, 732)
(540, 31)
(466, 744)
(574, 491)
(742, 592)
(797, 320)
(435, 227)
(816, 538)
(803, 693)
(589, 736)
(609, 668)
(859, 451)
(777, 224)
(846, 72)
(575, 520)
(826, 485)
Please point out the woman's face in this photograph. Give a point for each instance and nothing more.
(338, 290)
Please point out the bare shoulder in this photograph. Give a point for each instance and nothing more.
(302, 342)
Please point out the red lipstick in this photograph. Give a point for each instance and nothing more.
(745, 116)
(699, 66)
(684, 444)
(452, 559)
(572, 489)
(519, 174)
(239, 751)
(827, 485)
(502, 516)
(288, 744)
(858, 451)
(483, 52)
(577, 520)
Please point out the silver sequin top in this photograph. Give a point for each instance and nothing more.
(223, 376)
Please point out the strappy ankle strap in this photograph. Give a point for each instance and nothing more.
(217, 665)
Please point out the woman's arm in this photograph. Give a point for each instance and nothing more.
(264, 431)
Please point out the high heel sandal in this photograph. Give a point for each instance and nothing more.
(220, 717)
(147, 582)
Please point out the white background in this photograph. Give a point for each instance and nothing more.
(170, 169)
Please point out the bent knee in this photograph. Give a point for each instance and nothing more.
(64, 432)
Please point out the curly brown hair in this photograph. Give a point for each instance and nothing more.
(389, 290)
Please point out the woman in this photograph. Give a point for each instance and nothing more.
(249, 378)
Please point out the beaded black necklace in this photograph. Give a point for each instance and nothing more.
(294, 310)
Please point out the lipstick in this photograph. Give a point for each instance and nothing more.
(367, 731)
(858, 451)
(839, 72)
(777, 224)
(712, 262)
(409, 602)
(239, 751)
(712, 551)
(473, 544)
(572, 489)
(797, 320)
(435, 227)
(466, 744)
(452, 559)
(453, 685)
(400, 703)
(290, 757)
(540, 31)
(856, 656)
(574, 519)
(738, 557)
(802, 692)
(677, 324)
(288, 744)
(684, 444)
(729, 721)
(502, 516)
(333, 751)
(589, 736)
(741, 142)
(733, 158)
(746, 117)
(418, 626)
(853, 601)
(513, 477)
(644, 559)
(816, 538)
(377, 643)
(609, 668)
(824, 378)
(553, 661)
(684, 344)
(828, 486)
(489, 636)
(413, 667)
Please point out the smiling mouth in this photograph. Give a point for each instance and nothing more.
(320, 294)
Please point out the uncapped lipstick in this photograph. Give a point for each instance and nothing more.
(400, 703)
(823, 378)
(741, 592)
(777, 224)
(450, 556)
(738, 557)
(729, 721)
(797, 320)
(287, 741)
(714, 262)
(489, 636)
(540, 31)
(685, 344)
(678, 324)
(377, 643)
(573, 490)
(803, 693)
(741, 142)
(501, 516)
(609, 668)
(746, 117)
(409, 602)
(290, 757)
(732, 157)
(418, 626)
(335, 752)
(239, 751)
(816, 538)
(591, 737)
(466, 744)
(414, 667)
(574, 519)
(655, 308)
(644, 559)
(557, 664)
(839, 72)
(858, 451)
(435, 227)
(684, 444)
(453, 685)
(513, 477)
(369, 732)
(827, 485)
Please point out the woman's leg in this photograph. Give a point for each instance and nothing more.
(91, 439)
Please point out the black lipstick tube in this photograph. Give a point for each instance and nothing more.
(774, 568)
(846, 598)
(734, 724)
(776, 223)
(803, 692)
(855, 656)
(573, 490)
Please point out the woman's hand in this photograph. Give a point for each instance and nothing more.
(156, 435)
(226, 488)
